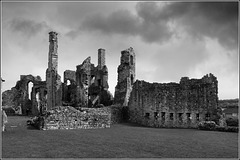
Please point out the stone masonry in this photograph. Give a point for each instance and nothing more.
(53, 79)
(181, 104)
(19, 95)
(126, 77)
(88, 84)
(67, 117)
(69, 87)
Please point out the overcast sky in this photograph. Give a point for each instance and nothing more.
(171, 39)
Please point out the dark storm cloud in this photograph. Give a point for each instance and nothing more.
(212, 19)
(118, 22)
(124, 22)
(215, 20)
(27, 27)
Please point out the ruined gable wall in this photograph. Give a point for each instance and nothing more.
(173, 104)
(83, 75)
(90, 84)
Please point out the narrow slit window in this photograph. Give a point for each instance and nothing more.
(163, 116)
(171, 116)
(188, 116)
(197, 116)
(131, 60)
(147, 115)
(180, 117)
(207, 117)
(156, 115)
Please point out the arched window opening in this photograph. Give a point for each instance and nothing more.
(92, 79)
(131, 60)
(30, 86)
(68, 82)
(131, 79)
(38, 96)
(38, 99)
(45, 94)
(99, 82)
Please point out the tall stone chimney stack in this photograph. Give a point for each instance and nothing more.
(53, 54)
(51, 73)
(101, 58)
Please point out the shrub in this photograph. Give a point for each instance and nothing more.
(232, 122)
(37, 122)
(226, 129)
(207, 125)
(231, 129)
(219, 128)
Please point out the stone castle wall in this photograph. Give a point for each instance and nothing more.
(181, 104)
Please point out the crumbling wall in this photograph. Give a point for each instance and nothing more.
(126, 77)
(83, 75)
(39, 98)
(91, 84)
(19, 95)
(66, 117)
(69, 90)
(11, 97)
(181, 104)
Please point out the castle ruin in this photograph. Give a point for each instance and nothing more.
(181, 104)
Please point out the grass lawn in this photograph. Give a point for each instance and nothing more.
(119, 141)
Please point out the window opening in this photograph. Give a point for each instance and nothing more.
(147, 115)
(163, 116)
(189, 116)
(99, 82)
(207, 117)
(30, 86)
(171, 116)
(131, 79)
(131, 60)
(197, 116)
(180, 118)
(156, 115)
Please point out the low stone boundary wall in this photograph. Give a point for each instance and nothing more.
(67, 117)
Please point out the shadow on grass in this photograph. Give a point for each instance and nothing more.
(143, 126)
(30, 127)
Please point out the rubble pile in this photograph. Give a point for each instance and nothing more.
(67, 117)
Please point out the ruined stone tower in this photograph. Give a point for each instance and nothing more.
(126, 77)
(52, 78)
